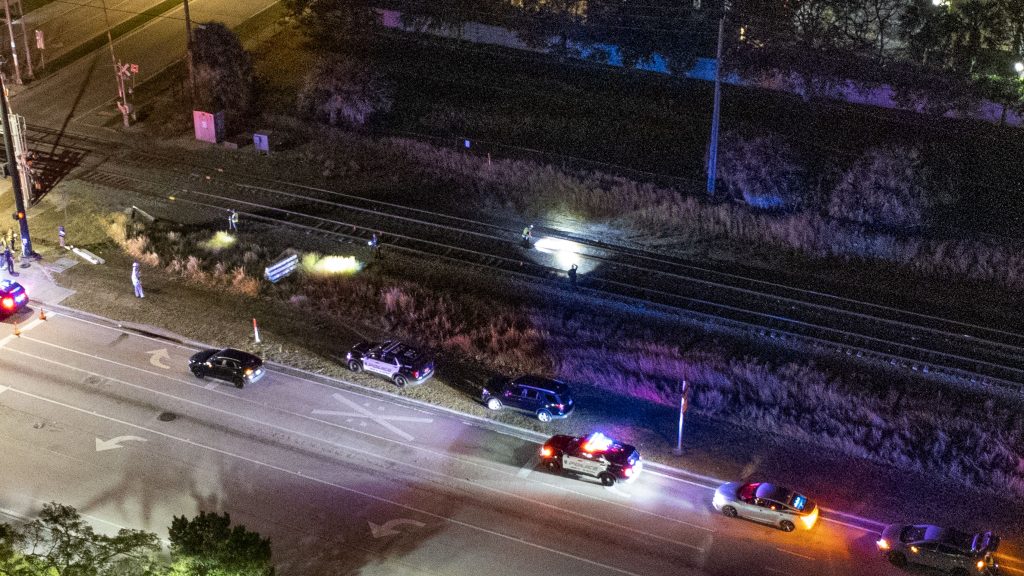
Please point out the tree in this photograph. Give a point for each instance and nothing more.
(341, 91)
(208, 545)
(551, 24)
(60, 543)
(223, 69)
(890, 186)
(347, 26)
(763, 171)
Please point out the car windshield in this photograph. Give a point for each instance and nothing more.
(913, 533)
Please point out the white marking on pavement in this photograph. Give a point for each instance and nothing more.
(528, 467)
(3, 389)
(468, 462)
(114, 443)
(783, 550)
(362, 493)
(388, 528)
(212, 386)
(11, 337)
(159, 357)
(363, 412)
(613, 489)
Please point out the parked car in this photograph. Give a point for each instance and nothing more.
(12, 297)
(595, 455)
(235, 366)
(766, 503)
(393, 359)
(951, 551)
(542, 397)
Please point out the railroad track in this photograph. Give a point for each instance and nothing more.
(965, 353)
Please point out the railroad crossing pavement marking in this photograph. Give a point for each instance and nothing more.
(382, 419)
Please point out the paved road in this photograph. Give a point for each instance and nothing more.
(84, 93)
(345, 479)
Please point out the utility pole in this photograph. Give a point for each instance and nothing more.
(19, 199)
(188, 52)
(713, 148)
(14, 49)
(24, 38)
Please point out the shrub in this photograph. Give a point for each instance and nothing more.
(764, 171)
(342, 91)
(223, 71)
(890, 186)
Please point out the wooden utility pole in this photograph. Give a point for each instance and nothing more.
(14, 48)
(188, 53)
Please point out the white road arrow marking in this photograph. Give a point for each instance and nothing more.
(157, 357)
(113, 443)
(388, 528)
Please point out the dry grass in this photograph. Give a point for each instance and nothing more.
(967, 438)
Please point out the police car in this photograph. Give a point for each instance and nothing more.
(12, 297)
(401, 363)
(595, 455)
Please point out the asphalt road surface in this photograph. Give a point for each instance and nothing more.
(348, 480)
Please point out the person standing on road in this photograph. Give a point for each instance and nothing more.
(61, 234)
(572, 275)
(233, 220)
(137, 280)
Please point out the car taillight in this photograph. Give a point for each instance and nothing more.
(546, 451)
(560, 406)
(7, 303)
(416, 374)
(980, 565)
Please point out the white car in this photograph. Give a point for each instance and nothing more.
(766, 503)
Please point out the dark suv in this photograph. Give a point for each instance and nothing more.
(402, 363)
(239, 368)
(545, 398)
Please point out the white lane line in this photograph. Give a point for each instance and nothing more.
(528, 467)
(212, 386)
(776, 571)
(468, 462)
(2, 390)
(11, 337)
(790, 552)
(376, 455)
(332, 484)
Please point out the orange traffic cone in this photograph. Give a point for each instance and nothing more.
(42, 314)
(17, 332)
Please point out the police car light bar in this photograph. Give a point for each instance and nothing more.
(597, 442)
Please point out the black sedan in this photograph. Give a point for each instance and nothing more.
(12, 297)
(239, 368)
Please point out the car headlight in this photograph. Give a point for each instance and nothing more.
(810, 519)
(883, 544)
(248, 371)
(980, 565)
(719, 500)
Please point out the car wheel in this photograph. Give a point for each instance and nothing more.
(239, 383)
(786, 526)
(958, 572)
(898, 559)
(555, 465)
(494, 404)
(355, 365)
(544, 416)
(198, 373)
(729, 511)
(606, 479)
(400, 381)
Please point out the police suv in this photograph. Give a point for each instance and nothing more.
(12, 297)
(594, 455)
(401, 363)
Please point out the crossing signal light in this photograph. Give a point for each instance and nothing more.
(19, 215)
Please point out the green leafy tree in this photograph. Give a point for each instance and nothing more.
(60, 543)
(223, 70)
(208, 545)
(339, 90)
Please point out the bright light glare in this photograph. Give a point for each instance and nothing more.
(810, 519)
(329, 265)
(1019, 67)
(597, 442)
(219, 241)
(565, 251)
